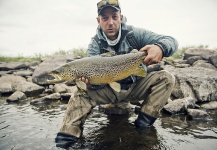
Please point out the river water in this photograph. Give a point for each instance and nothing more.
(27, 127)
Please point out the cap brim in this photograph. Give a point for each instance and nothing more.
(101, 10)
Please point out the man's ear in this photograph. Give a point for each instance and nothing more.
(98, 19)
(122, 17)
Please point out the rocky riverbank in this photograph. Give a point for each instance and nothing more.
(195, 91)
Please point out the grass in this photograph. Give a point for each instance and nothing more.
(181, 51)
(82, 52)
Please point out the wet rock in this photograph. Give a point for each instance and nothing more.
(116, 109)
(54, 96)
(16, 96)
(18, 83)
(40, 74)
(179, 105)
(198, 114)
(46, 99)
(65, 96)
(48, 90)
(210, 105)
(197, 82)
(12, 66)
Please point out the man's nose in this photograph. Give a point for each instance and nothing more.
(111, 21)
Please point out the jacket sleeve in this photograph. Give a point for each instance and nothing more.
(168, 44)
(93, 48)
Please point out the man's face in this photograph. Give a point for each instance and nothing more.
(110, 22)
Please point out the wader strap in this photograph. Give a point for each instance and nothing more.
(103, 45)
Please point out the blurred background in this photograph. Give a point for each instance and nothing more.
(29, 27)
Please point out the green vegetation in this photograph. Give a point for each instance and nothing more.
(181, 51)
(20, 59)
(82, 52)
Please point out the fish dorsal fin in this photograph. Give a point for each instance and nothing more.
(115, 86)
(134, 51)
(108, 54)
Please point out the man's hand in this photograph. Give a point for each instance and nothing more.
(84, 80)
(155, 54)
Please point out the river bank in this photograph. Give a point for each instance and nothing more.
(32, 111)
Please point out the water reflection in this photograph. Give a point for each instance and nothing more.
(23, 126)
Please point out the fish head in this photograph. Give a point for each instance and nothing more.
(60, 75)
(54, 77)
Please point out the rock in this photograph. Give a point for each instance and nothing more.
(65, 96)
(16, 96)
(203, 52)
(23, 73)
(19, 83)
(182, 65)
(180, 105)
(198, 114)
(6, 87)
(54, 96)
(192, 59)
(204, 64)
(210, 105)
(40, 74)
(12, 66)
(49, 91)
(46, 99)
(6, 72)
(213, 60)
(34, 63)
(154, 67)
(197, 82)
(179, 61)
(60, 88)
(29, 79)
(71, 89)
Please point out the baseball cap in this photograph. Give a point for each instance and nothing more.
(107, 3)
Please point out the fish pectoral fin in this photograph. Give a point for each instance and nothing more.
(139, 71)
(115, 86)
(81, 85)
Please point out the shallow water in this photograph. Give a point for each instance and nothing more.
(26, 127)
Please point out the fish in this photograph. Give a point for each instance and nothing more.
(101, 69)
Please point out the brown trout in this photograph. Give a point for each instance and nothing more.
(101, 69)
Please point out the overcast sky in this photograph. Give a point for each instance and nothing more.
(29, 27)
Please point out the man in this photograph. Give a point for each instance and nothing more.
(154, 89)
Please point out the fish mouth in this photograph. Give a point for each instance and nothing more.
(54, 78)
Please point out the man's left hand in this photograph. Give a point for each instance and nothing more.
(155, 54)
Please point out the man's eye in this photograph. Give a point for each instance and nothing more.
(104, 18)
(115, 17)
